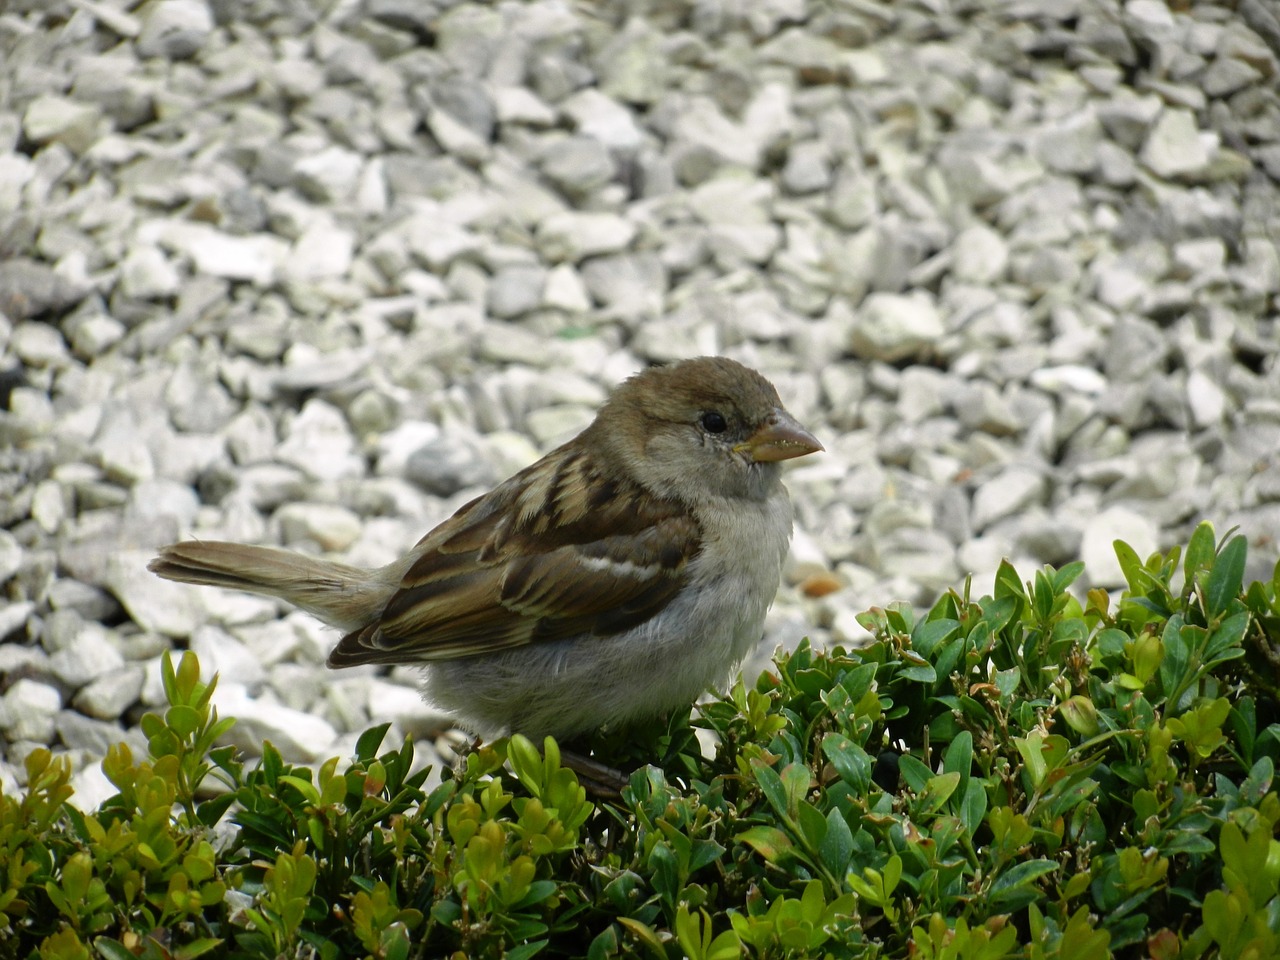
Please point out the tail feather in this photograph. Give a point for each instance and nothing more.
(342, 596)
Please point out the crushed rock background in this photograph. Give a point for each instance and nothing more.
(316, 274)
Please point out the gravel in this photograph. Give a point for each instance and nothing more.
(318, 275)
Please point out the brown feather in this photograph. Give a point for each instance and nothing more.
(532, 562)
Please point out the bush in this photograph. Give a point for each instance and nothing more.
(1020, 775)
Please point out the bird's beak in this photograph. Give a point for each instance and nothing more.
(781, 438)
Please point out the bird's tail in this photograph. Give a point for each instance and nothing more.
(342, 596)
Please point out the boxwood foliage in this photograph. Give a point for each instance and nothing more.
(1028, 773)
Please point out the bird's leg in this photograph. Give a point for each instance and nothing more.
(598, 779)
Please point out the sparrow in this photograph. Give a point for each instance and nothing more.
(611, 582)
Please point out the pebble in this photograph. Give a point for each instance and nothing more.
(300, 737)
(174, 29)
(29, 708)
(894, 327)
(1100, 533)
(155, 605)
(319, 442)
(147, 274)
(577, 164)
(329, 526)
(1012, 491)
(110, 695)
(573, 235)
(448, 463)
(1176, 147)
(224, 654)
(86, 657)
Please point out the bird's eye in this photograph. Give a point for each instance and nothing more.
(714, 422)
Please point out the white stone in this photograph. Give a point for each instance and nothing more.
(92, 788)
(69, 122)
(49, 506)
(573, 235)
(320, 444)
(300, 737)
(11, 554)
(1101, 530)
(147, 274)
(89, 655)
(564, 290)
(30, 707)
(1069, 378)
(332, 527)
(38, 344)
(892, 327)
(255, 257)
(323, 250)
(174, 29)
(405, 706)
(331, 175)
(111, 694)
(14, 615)
(519, 105)
(980, 255)
(1175, 146)
(227, 656)
(1012, 491)
(154, 604)
(1206, 399)
(602, 118)
(95, 335)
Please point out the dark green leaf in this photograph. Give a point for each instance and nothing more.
(931, 633)
(837, 845)
(1199, 551)
(914, 773)
(973, 807)
(959, 755)
(369, 741)
(1226, 577)
(525, 950)
(849, 760)
(1008, 583)
(1019, 879)
(1067, 576)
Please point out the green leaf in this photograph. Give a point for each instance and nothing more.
(183, 720)
(1067, 576)
(914, 773)
(781, 794)
(1226, 577)
(1016, 884)
(1031, 747)
(1130, 566)
(837, 846)
(113, 949)
(938, 790)
(1200, 551)
(974, 806)
(525, 950)
(369, 741)
(195, 948)
(931, 633)
(770, 842)
(1008, 583)
(959, 755)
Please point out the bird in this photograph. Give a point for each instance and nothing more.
(614, 580)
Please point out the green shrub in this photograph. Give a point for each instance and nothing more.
(1019, 775)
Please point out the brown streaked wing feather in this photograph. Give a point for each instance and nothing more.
(553, 552)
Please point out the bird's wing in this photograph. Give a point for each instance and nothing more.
(556, 551)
